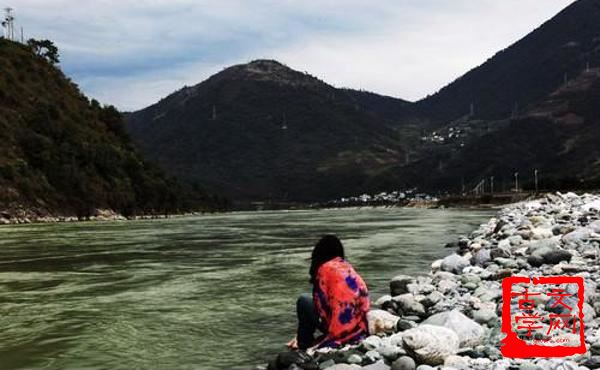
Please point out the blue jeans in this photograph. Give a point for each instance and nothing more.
(308, 321)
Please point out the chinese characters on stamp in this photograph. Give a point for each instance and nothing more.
(557, 330)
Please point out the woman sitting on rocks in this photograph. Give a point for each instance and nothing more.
(339, 303)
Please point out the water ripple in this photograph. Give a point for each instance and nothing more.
(208, 292)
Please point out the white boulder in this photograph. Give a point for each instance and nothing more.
(430, 344)
(469, 332)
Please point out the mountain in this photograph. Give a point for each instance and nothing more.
(524, 72)
(262, 131)
(64, 155)
(396, 111)
(558, 136)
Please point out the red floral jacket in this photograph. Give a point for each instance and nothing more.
(342, 302)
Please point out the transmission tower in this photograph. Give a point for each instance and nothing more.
(8, 24)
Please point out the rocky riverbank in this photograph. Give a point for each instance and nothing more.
(18, 216)
(450, 318)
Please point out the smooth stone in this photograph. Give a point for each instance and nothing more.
(481, 363)
(536, 245)
(475, 270)
(567, 365)
(503, 364)
(443, 275)
(529, 366)
(572, 269)
(489, 292)
(391, 307)
(578, 236)
(446, 286)
(470, 278)
(455, 263)
(380, 365)
(484, 316)
(597, 308)
(504, 244)
(354, 359)
(404, 324)
(469, 332)
(326, 364)
(499, 225)
(595, 348)
(399, 284)
(537, 220)
(593, 206)
(540, 233)
(526, 234)
(506, 262)
(471, 353)
(425, 367)
(371, 343)
(404, 363)
(409, 305)
(535, 260)
(342, 356)
(515, 240)
(420, 288)
(595, 226)
(432, 298)
(430, 344)
(500, 252)
(396, 339)
(592, 363)
(372, 356)
(475, 246)
(344, 367)
(457, 362)
(390, 352)
(501, 274)
(557, 256)
(436, 265)
(383, 299)
(381, 322)
(470, 286)
(546, 253)
(589, 314)
(562, 229)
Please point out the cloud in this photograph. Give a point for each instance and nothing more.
(131, 53)
(417, 56)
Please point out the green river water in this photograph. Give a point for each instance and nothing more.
(206, 292)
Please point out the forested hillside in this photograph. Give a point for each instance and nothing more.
(62, 154)
(262, 131)
(524, 72)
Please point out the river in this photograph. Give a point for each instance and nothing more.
(206, 292)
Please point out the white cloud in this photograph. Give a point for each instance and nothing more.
(417, 58)
(131, 53)
(140, 90)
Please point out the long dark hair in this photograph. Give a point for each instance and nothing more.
(326, 249)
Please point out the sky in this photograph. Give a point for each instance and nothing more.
(131, 53)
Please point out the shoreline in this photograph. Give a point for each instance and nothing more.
(16, 215)
(22, 216)
(460, 298)
(102, 215)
